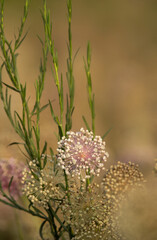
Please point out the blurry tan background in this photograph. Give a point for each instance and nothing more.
(123, 36)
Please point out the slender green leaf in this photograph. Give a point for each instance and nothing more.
(76, 55)
(17, 44)
(106, 133)
(52, 112)
(15, 143)
(10, 182)
(45, 161)
(27, 157)
(41, 109)
(51, 152)
(85, 121)
(7, 203)
(44, 148)
(23, 126)
(12, 88)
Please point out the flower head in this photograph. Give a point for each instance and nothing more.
(120, 178)
(93, 212)
(81, 152)
(42, 185)
(10, 168)
(85, 213)
(118, 182)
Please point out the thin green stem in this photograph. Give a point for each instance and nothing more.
(70, 77)
(53, 226)
(55, 71)
(70, 52)
(14, 204)
(91, 99)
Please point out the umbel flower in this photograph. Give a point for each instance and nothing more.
(42, 185)
(93, 212)
(120, 177)
(85, 213)
(8, 169)
(118, 182)
(82, 154)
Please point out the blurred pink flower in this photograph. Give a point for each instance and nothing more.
(9, 168)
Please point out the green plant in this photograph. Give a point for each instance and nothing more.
(53, 183)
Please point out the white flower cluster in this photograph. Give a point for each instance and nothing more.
(82, 154)
(41, 186)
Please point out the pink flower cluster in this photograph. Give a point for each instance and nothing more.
(9, 168)
(82, 152)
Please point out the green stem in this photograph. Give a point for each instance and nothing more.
(12, 203)
(70, 77)
(53, 226)
(89, 88)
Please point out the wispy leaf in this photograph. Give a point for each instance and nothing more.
(12, 88)
(106, 133)
(15, 143)
(85, 121)
(44, 148)
(10, 182)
